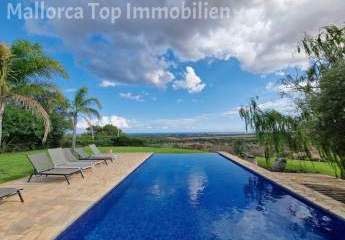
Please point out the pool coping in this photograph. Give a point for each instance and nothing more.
(304, 193)
(70, 222)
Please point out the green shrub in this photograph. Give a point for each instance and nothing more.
(128, 141)
(103, 141)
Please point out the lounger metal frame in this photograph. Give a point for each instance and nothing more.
(15, 192)
(46, 172)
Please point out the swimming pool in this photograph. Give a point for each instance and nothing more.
(201, 196)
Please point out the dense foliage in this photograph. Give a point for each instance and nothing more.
(320, 96)
(107, 130)
(107, 135)
(322, 104)
(22, 67)
(23, 131)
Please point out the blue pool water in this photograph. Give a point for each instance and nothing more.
(201, 196)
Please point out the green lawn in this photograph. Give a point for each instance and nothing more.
(15, 165)
(303, 166)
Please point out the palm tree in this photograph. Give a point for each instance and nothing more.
(83, 107)
(18, 66)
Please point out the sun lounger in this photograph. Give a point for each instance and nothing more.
(7, 192)
(71, 158)
(96, 152)
(59, 159)
(83, 156)
(43, 166)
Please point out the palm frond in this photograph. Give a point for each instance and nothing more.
(31, 62)
(91, 112)
(36, 108)
(30, 89)
(80, 96)
(91, 101)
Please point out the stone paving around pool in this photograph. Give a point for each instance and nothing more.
(302, 184)
(51, 205)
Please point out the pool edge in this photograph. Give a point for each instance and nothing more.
(294, 189)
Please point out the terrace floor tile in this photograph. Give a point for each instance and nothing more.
(51, 204)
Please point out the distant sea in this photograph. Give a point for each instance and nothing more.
(189, 134)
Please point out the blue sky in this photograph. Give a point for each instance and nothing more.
(171, 76)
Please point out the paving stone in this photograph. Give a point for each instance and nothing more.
(51, 205)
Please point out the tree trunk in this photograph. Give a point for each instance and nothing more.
(342, 174)
(2, 110)
(92, 133)
(279, 165)
(342, 167)
(74, 138)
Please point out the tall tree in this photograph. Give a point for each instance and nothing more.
(25, 63)
(321, 93)
(328, 126)
(83, 106)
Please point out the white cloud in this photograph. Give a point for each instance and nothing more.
(70, 90)
(273, 86)
(114, 120)
(261, 34)
(279, 87)
(282, 105)
(106, 84)
(191, 82)
(232, 112)
(280, 73)
(289, 88)
(172, 125)
(211, 122)
(159, 77)
(131, 96)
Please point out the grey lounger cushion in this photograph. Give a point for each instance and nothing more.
(59, 159)
(98, 153)
(84, 156)
(71, 158)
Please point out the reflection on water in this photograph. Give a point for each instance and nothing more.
(271, 214)
(156, 190)
(197, 181)
(262, 192)
(160, 191)
(202, 196)
(243, 225)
